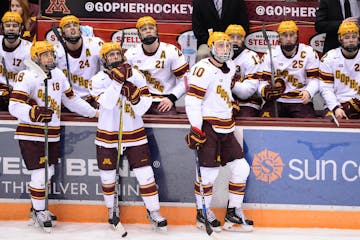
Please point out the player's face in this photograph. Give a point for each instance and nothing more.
(222, 47)
(47, 58)
(71, 30)
(16, 7)
(11, 27)
(148, 30)
(236, 39)
(113, 56)
(350, 39)
(288, 38)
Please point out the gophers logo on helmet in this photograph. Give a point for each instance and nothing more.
(287, 26)
(11, 17)
(108, 47)
(348, 27)
(235, 29)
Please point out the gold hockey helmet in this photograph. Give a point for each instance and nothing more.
(235, 29)
(287, 26)
(67, 20)
(217, 36)
(348, 27)
(39, 48)
(11, 17)
(145, 20)
(108, 47)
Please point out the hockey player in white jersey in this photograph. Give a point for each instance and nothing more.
(209, 110)
(296, 67)
(163, 65)
(83, 56)
(13, 51)
(122, 88)
(247, 83)
(340, 74)
(32, 119)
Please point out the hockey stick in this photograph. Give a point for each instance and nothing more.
(6, 74)
(33, 66)
(208, 228)
(335, 120)
(271, 65)
(116, 219)
(63, 44)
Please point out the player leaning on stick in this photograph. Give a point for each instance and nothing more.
(209, 110)
(83, 56)
(247, 63)
(296, 82)
(13, 51)
(32, 119)
(163, 65)
(340, 74)
(121, 87)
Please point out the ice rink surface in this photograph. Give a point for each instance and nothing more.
(98, 231)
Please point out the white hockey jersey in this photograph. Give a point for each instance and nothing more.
(14, 60)
(340, 78)
(164, 70)
(209, 96)
(247, 66)
(29, 85)
(82, 68)
(107, 92)
(299, 72)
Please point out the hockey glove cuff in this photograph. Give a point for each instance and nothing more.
(121, 73)
(40, 114)
(195, 138)
(131, 92)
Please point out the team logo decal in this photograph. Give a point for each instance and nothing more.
(57, 6)
(267, 166)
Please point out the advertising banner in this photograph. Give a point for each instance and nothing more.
(302, 167)
(77, 175)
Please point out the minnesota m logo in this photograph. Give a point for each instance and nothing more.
(106, 161)
(58, 6)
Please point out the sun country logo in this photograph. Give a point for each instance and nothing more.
(57, 6)
(267, 166)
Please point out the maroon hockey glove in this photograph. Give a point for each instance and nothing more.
(352, 108)
(40, 114)
(235, 78)
(195, 138)
(131, 92)
(5, 90)
(121, 73)
(270, 93)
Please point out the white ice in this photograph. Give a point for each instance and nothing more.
(97, 231)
